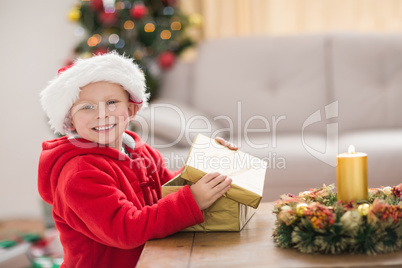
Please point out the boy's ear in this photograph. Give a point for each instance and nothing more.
(70, 124)
(71, 128)
(132, 110)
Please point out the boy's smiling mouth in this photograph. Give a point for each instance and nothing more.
(102, 128)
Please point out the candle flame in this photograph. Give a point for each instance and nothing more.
(351, 149)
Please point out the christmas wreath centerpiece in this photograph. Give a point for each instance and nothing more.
(315, 222)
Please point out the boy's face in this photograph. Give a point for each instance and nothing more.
(102, 113)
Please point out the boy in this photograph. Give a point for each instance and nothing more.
(104, 183)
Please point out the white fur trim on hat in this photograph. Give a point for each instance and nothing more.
(62, 92)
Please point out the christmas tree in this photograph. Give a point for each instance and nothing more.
(150, 31)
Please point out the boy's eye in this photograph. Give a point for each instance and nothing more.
(87, 107)
(111, 105)
(112, 102)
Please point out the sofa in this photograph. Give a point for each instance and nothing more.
(294, 101)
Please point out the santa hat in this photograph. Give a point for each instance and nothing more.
(62, 92)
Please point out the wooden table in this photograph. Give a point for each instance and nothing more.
(252, 247)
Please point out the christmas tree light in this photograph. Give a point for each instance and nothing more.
(153, 32)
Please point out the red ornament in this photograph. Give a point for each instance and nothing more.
(138, 11)
(100, 51)
(96, 5)
(107, 18)
(166, 59)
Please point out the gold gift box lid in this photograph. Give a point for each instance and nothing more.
(247, 172)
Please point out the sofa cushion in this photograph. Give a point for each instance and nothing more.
(257, 80)
(366, 80)
(292, 167)
(384, 154)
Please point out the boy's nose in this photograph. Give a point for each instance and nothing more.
(102, 111)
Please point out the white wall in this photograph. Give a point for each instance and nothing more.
(36, 38)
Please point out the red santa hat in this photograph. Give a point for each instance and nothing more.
(62, 92)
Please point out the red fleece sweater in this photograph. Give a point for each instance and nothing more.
(107, 205)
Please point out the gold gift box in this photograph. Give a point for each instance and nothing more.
(232, 211)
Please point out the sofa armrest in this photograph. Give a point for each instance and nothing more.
(175, 122)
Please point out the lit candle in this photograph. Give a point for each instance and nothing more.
(351, 176)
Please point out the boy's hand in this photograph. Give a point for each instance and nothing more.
(209, 188)
(226, 143)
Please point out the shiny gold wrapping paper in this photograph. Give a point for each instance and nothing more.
(247, 172)
(232, 211)
(224, 215)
